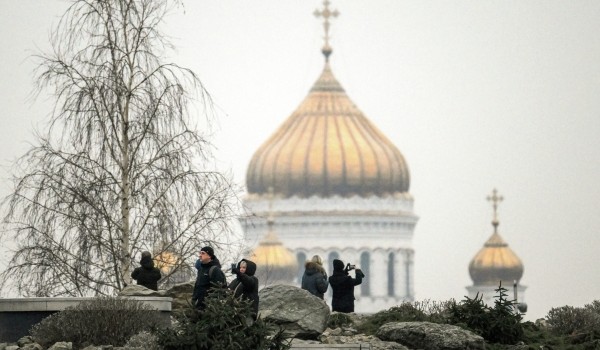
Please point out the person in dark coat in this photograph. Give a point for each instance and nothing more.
(147, 275)
(246, 284)
(342, 286)
(314, 278)
(209, 276)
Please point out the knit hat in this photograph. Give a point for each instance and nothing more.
(208, 251)
(338, 265)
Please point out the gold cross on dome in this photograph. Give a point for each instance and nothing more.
(326, 14)
(495, 199)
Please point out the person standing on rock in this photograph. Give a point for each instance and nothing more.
(314, 278)
(209, 276)
(342, 286)
(147, 275)
(245, 284)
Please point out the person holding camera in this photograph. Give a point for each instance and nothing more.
(342, 285)
(314, 278)
(245, 284)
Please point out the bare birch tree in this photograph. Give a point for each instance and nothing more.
(119, 169)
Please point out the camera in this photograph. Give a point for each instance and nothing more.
(349, 267)
(233, 266)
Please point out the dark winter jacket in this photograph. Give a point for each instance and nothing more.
(147, 275)
(342, 286)
(246, 284)
(206, 280)
(314, 279)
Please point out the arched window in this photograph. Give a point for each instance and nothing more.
(364, 265)
(332, 256)
(391, 273)
(301, 258)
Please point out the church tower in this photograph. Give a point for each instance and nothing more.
(335, 186)
(496, 264)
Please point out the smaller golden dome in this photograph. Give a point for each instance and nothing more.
(495, 262)
(274, 262)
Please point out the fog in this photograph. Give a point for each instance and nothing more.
(476, 95)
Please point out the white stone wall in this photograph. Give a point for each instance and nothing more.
(348, 227)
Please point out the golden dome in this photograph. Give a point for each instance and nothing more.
(327, 147)
(166, 261)
(495, 262)
(274, 262)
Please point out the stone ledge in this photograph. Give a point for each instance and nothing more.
(17, 315)
(59, 304)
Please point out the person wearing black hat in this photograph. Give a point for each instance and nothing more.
(147, 275)
(342, 286)
(209, 276)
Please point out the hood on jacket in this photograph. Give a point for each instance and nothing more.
(147, 263)
(312, 267)
(250, 267)
(338, 265)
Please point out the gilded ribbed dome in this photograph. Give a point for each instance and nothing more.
(274, 262)
(495, 262)
(327, 147)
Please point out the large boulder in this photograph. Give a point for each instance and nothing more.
(430, 336)
(134, 290)
(182, 295)
(301, 314)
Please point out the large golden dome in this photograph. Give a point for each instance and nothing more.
(327, 147)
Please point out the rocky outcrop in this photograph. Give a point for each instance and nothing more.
(351, 336)
(300, 313)
(430, 336)
(181, 294)
(134, 290)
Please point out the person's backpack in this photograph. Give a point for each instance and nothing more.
(211, 272)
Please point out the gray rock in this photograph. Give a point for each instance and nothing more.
(134, 290)
(181, 294)
(31, 346)
(3, 346)
(333, 337)
(24, 341)
(12, 347)
(61, 346)
(430, 336)
(300, 313)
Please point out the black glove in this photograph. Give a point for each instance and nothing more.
(359, 273)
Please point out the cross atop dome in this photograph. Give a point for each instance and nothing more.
(326, 14)
(495, 199)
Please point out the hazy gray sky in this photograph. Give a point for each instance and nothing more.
(476, 95)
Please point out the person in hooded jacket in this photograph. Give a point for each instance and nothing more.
(147, 275)
(246, 284)
(209, 276)
(314, 278)
(342, 286)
